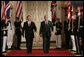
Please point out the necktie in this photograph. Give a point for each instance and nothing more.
(46, 23)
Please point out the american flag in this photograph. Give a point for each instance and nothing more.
(53, 10)
(69, 11)
(5, 10)
(19, 12)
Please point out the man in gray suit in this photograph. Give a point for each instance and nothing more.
(46, 29)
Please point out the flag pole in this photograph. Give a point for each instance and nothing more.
(72, 29)
(72, 18)
(78, 27)
(69, 5)
(79, 18)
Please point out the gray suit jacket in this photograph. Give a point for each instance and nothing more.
(46, 30)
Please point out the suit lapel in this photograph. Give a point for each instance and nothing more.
(45, 24)
(48, 22)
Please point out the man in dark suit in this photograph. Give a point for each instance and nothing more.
(29, 28)
(45, 32)
(67, 35)
(18, 29)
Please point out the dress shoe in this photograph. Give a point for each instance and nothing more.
(58, 48)
(28, 52)
(18, 48)
(72, 50)
(9, 49)
(46, 52)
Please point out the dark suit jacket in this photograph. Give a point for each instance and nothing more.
(2, 31)
(66, 25)
(58, 26)
(29, 30)
(46, 30)
(18, 27)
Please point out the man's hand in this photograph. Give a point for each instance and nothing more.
(72, 30)
(77, 30)
(40, 35)
(68, 29)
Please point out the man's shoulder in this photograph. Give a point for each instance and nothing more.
(49, 21)
(25, 22)
(32, 21)
(42, 21)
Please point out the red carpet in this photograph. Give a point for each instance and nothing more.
(39, 52)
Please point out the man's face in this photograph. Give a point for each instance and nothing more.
(29, 18)
(46, 18)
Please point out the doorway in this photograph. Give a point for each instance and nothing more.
(37, 10)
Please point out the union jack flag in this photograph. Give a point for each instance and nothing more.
(53, 10)
(5, 10)
(69, 11)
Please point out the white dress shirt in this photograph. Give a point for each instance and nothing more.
(29, 23)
